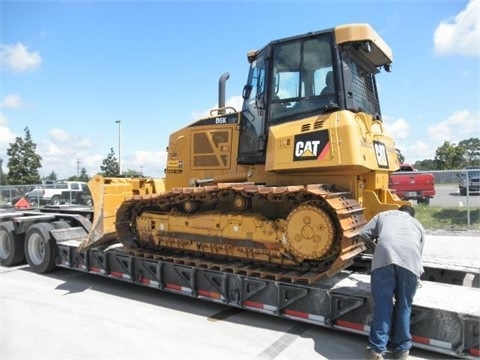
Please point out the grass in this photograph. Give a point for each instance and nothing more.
(448, 218)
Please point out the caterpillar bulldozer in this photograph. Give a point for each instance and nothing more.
(288, 181)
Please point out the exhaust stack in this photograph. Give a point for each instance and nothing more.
(221, 92)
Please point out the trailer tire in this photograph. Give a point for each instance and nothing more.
(11, 245)
(60, 224)
(40, 248)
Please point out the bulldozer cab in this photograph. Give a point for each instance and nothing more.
(311, 74)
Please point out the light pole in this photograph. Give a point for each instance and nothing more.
(119, 122)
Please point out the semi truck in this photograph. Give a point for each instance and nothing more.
(261, 208)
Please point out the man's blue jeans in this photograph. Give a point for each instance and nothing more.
(393, 289)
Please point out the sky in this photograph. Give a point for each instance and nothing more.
(87, 76)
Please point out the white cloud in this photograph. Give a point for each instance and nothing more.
(459, 126)
(461, 34)
(12, 101)
(152, 163)
(59, 135)
(18, 58)
(61, 152)
(6, 135)
(398, 128)
(235, 101)
(3, 120)
(419, 150)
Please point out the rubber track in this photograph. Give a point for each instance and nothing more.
(339, 204)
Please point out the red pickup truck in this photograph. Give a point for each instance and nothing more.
(410, 184)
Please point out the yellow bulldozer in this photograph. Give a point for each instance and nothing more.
(289, 180)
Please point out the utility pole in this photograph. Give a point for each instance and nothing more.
(78, 169)
(119, 122)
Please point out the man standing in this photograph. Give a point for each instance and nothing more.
(396, 269)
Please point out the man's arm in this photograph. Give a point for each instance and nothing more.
(369, 234)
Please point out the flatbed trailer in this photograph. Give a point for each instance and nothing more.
(445, 317)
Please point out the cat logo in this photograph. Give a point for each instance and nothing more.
(311, 146)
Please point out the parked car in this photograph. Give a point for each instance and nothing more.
(49, 184)
(9, 195)
(81, 196)
(469, 181)
(35, 195)
(63, 191)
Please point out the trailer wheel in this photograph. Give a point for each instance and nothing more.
(11, 245)
(40, 248)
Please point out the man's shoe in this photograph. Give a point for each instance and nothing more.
(402, 355)
(373, 355)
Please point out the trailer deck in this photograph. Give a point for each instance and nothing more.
(445, 316)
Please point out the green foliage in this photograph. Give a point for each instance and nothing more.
(132, 173)
(110, 166)
(52, 176)
(454, 218)
(401, 158)
(24, 162)
(450, 156)
(471, 153)
(83, 176)
(425, 165)
(3, 177)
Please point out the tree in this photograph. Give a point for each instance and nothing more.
(3, 177)
(471, 148)
(401, 158)
(52, 176)
(425, 165)
(110, 166)
(83, 175)
(24, 162)
(132, 173)
(449, 156)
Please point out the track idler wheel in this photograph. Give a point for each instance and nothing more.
(310, 232)
(241, 203)
(190, 206)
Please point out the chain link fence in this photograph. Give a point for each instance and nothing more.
(10, 195)
(455, 204)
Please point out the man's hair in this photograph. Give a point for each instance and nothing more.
(408, 209)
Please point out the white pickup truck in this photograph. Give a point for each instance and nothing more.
(73, 192)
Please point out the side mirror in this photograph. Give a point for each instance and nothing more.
(247, 89)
